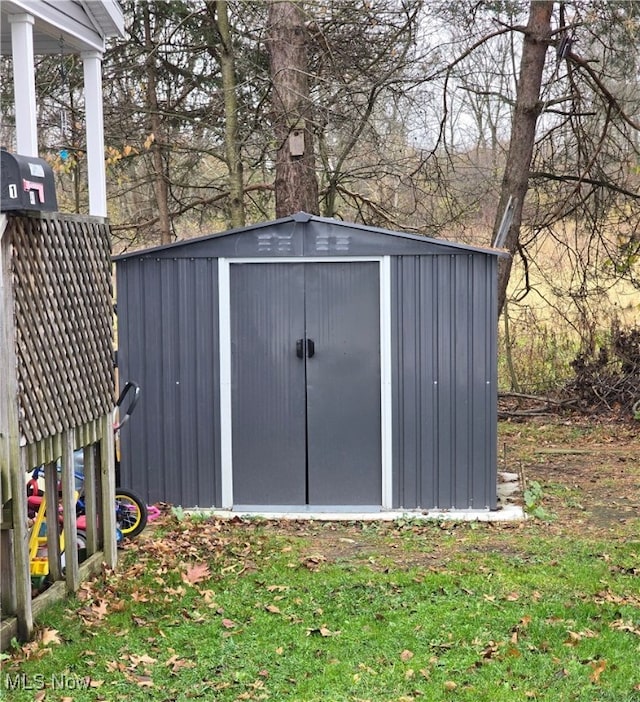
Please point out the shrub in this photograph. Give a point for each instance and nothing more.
(608, 378)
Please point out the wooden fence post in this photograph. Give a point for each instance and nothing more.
(12, 454)
(53, 526)
(90, 498)
(69, 514)
(7, 579)
(24, 613)
(108, 486)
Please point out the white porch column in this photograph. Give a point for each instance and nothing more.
(92, 64)
(24, 84)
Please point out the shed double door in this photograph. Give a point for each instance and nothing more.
(305, 367)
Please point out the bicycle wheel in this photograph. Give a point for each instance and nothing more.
(131, 513)
(81, 544)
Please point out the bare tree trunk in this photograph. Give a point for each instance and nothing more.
(231, 132)
(527, 110)
(159, 181)
(296, 184)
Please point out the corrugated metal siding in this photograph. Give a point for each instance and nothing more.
(444, 381)
(168, 344)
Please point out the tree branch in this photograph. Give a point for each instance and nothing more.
(540, 175)
(192, 205)
(611, 99)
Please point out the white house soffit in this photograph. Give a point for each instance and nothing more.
(89, 11)
(106, 15)
(68, 19)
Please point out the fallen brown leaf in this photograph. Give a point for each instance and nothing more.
(100, 609)
(621, 625)
(598, 669)
(196, 573)
(177, 664)
(144, 681)
(50, 636)
(313, 562)
(136, 660)
(574, 639)
(323, 631)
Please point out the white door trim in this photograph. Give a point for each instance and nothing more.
(224, 340)
(386, 403)
(224, 317)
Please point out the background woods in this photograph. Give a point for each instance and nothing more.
(413, 115)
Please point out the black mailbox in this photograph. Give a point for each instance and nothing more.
(27, 183)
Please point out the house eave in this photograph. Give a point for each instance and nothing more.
(72, 26)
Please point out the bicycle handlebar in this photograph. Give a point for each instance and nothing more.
(130, 385)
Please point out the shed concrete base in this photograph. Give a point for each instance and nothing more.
(509, 509)
(507, 514)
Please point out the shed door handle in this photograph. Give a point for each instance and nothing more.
(300, 347)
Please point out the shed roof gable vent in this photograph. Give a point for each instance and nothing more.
(330, 243)
(270, 242)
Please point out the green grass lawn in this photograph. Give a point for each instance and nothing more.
(251, 610)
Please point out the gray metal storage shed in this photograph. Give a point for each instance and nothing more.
(309, 364)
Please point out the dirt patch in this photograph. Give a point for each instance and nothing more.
(589, 475)
(589, 472)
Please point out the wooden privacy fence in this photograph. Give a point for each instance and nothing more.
(56, 396)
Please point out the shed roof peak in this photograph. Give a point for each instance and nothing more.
(301, 217)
